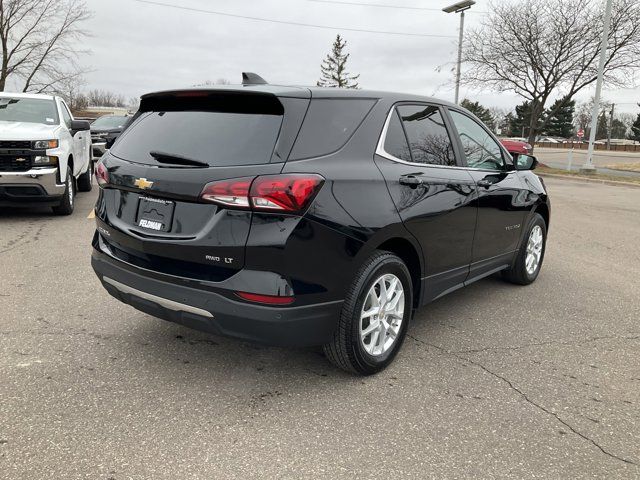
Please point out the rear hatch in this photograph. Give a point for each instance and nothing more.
(150, 212)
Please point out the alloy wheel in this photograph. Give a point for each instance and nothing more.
(382, 315)
(534, 250)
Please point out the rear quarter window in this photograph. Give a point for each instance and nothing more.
(329, 124)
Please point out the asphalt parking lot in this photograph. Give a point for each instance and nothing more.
(495, 381)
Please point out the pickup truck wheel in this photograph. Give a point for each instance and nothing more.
(85, 181)
(68, 199)
(374, 317)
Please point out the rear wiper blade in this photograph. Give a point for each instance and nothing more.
(162, 157)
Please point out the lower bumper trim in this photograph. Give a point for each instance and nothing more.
(165, 302)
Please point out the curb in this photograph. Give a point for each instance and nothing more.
(615, 183)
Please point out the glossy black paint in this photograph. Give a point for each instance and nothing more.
(452, 225)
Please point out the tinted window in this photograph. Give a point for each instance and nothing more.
(109, 121)
(395, 142)
(215, 138)
(428, 137)
(328, 125)
(481, 150)
(28, 110)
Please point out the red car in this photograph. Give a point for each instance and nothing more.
(516, 146)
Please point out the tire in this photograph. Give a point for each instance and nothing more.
(68, 199)
(85, 181)
(520, 273)
(366, 354)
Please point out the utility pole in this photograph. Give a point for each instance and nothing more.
(610, 127)
(604, 43)
(459, 7)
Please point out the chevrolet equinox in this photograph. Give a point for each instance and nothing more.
(310, 216)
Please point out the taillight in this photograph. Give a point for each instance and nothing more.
(266, 299)
(102, 176)
(233, 193)
(274, 193)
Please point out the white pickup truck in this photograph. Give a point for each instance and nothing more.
(45, 154)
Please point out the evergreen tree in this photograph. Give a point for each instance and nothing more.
(520, 123)
(618, 129)
(603, 127)
(479, 111)
(635, 129)
(507, 122)
(333, 69)
(561, 124)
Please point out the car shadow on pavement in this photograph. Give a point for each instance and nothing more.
(173, 348)
(25, 212)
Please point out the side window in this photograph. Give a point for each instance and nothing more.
(66, 116)
(429, 141)
(481, 150)
(328, 125)
(395, 142)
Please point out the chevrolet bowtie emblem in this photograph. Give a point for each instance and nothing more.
(142, 183)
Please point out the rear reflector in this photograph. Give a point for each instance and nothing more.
(290, 193)
(102, 176)
(266, 299)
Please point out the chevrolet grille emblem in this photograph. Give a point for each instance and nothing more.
(142, 183)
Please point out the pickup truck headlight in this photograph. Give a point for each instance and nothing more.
(45, 160)
(45, 144)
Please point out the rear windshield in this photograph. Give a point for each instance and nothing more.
(329, 123)
(28, 110)
(217, 139)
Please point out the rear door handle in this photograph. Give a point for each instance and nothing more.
(410, 180)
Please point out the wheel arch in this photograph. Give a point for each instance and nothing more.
(409, 253)
(543, 209)
(70, 164)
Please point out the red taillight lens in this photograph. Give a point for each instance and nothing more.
(267, 299)
(233, 193)
(102, 176)
(290, 193)
(284, 193)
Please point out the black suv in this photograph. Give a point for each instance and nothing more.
(310, 216)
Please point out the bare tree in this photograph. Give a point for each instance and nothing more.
(553, 52)
(210, 83)
(71, 91)
(105, 98)
(39, 40)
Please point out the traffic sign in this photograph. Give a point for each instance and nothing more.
(580, 133)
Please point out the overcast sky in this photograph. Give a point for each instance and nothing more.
(139, 47)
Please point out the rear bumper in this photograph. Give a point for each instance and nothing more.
(212, 312)
(37, 186)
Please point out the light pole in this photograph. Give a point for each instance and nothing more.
(459, 7)
(604, 43)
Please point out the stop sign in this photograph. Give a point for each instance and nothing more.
(580, 133)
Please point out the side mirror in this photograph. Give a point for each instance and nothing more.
(525, 162)
(110, 140)
(80, 125)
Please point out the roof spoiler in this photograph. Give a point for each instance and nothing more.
(249, 78)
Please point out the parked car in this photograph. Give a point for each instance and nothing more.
(45, 154)
(105, 130)
(516, 146)
(551, 140)
(310, 216)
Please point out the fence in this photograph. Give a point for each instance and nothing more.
(585, 146)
